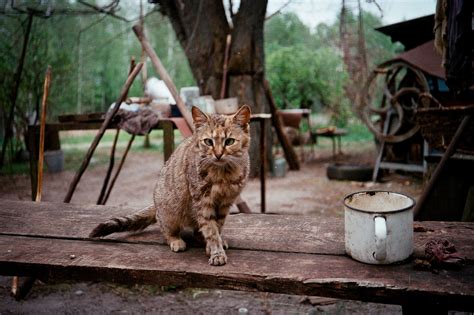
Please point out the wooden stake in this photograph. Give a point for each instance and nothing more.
(47, 82)
(101, 132)
(163, 74)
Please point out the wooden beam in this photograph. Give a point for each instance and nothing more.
(163, 74)
(290, 154)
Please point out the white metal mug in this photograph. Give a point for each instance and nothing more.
(378, 226)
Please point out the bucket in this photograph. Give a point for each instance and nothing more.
(279, 168)
(54, 160)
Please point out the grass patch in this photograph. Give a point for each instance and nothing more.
(358, 132)
(16, 168)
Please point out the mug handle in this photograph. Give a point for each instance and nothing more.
(380, 238)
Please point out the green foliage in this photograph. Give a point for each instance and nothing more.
(306, 68)
(304, 73)
(89, 55)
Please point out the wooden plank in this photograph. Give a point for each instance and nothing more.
(322, 275)
(284, 233)
(88, 117)
(402, 166)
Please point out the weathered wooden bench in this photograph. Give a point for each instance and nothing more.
(274, 253)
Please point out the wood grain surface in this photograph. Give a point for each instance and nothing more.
(274, 253)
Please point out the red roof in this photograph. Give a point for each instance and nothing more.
(424, 58)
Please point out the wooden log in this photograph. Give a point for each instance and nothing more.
(163, 73)
(290, 154)
(100, 133)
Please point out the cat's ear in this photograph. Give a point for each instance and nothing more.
(199, 117)
(242, 116)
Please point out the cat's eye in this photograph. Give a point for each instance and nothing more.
(229, 141)
(209, 142)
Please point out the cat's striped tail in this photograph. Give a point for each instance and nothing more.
(133, 222)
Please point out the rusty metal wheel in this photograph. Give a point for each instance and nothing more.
(392, 91)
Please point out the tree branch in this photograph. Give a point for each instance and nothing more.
(278, 11)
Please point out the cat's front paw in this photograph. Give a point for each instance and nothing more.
(177, 245)
(218, 259)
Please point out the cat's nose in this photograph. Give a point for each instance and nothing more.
(219, 155)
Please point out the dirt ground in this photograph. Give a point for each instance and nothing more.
(305, 192)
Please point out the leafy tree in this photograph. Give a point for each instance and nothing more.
(306, 69)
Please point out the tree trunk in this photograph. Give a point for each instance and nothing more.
(202, 28)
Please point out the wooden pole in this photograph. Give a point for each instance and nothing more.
(47, 82)
(19, 71)
(100, 200)
(20, 291)
(419, 210)
(117, 172)
(290, 154)
(163, 74)
(101, 132)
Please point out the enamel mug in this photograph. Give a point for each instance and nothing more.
(378, 226)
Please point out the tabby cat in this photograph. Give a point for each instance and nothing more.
(197, 185)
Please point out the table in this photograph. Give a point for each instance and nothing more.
(335, 135)
(301, 255)
(168, 125)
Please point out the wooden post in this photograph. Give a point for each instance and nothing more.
(163, 74)
(19, 70)
(290, 154)
(263, 165)
(101, 132)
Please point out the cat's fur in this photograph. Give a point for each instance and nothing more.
(197, 185)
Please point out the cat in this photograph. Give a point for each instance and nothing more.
(197, 185)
